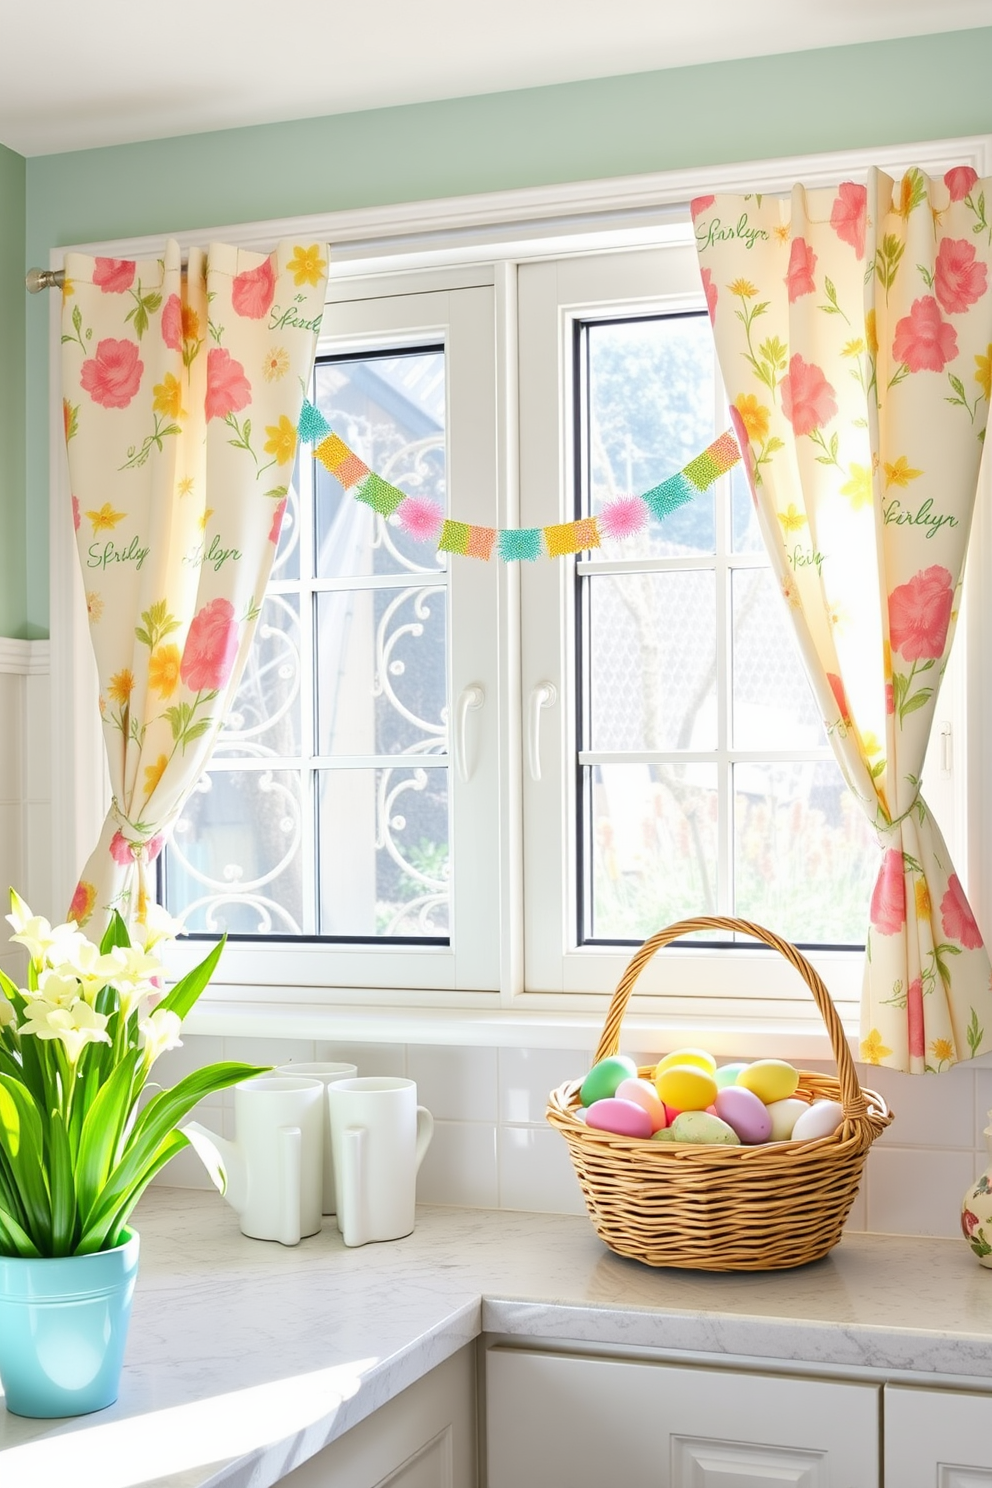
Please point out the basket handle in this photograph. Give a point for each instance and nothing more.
(852, 1099)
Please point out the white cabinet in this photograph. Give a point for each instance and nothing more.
(937, 1438)
(424, 1438)
(569, 1421)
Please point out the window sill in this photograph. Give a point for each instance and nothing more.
(800, 1037)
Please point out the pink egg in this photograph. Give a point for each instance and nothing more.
(742, 1110)
(643, 1093)
(671, 1112)
(622, 1117)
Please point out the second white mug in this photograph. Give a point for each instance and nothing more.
(325, 1072)
(379, 1136)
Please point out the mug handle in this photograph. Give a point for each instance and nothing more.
(291, 1185)
(425, 1130)
(351, 1210)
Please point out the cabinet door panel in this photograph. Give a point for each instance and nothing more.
(937, 1438)
(564, 1421)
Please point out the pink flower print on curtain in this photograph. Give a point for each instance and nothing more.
(861, 398)
(171, 440)
(211, 647)
(113, 376)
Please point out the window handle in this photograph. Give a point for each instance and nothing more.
(469, 698)
(544, 695)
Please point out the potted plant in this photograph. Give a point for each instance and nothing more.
(79, 1146)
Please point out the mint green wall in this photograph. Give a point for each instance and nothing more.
(922, 88)
(13, 601)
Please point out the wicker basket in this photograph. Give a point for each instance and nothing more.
(716, 1208)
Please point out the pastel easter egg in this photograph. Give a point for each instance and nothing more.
(727, 1074)
(643, 1093)
(622, 1117)
(671, 1112)
(602, 1080)
(741, 1109)
(821, 1119)
(770, 1079)
(700, 1057)
(785, 1114)
(686, 1087)
(665, 1135)
(702, 1128)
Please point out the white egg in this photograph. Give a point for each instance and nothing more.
(820, 1120)
(785, 1114)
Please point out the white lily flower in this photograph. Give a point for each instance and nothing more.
(156, 925)
(134, 975)
(159, 1031)
(75, 1026)
(54, 988)
(38, 936)
(91, 970)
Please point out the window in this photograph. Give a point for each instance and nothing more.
(453, 784)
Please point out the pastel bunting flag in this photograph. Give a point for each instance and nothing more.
(424, 519)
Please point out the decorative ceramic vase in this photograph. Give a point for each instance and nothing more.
(976, 1210)
(63, 1326)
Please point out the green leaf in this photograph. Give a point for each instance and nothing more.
(114, 935)
(278, 492)
(63, 1188)
(917, 701)
(195, 731)
(22, 1138)
(15, 1241)
(113, 1231)
(142, 1151)
(974, 1033)
(77, 318)
(152, 301)
(102, 1126)
(182, 997)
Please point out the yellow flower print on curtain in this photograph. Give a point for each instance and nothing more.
(854, 334)
(182, 391)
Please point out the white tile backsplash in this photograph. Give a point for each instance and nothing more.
(460, 1166)
(915, 1191)
(455, 1084)
(370, 1059)
(535, 1171)
(527, 1077)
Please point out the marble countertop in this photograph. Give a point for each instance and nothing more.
(245, 1357)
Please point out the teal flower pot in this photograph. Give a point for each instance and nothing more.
(63, 1327)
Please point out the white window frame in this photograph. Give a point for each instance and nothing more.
(429, 244)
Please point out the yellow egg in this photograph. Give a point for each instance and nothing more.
(769, 1079)
(686, 1087)
(698, 1057)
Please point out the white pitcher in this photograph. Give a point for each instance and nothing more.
(379, 1135)
(272, 1173)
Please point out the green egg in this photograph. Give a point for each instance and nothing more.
(665, 1135)
(701, 1127)
(602, 1080)
(727, 1075)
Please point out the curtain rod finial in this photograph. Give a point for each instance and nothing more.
(36, 280)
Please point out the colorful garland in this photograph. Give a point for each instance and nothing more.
(425, 521)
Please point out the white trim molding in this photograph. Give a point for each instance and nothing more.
(24, 658)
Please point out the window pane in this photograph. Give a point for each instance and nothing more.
(235, 860)
(380, 659)
(391, 411)
(650, 410)
(383, 852)
(652, 847)
(747, 534)
(652, 661)
(805, 854)
(265, 718)
(773, 704)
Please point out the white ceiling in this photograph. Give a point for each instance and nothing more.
(82, 73)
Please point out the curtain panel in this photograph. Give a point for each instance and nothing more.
(182, 390)
(854, 333)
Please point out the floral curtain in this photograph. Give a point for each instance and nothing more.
(182, 391)
(854, 333)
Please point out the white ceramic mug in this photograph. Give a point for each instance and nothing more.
(271, 1174)
(324, 1072)
(379, 1136)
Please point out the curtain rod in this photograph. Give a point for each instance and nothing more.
(35, 280)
